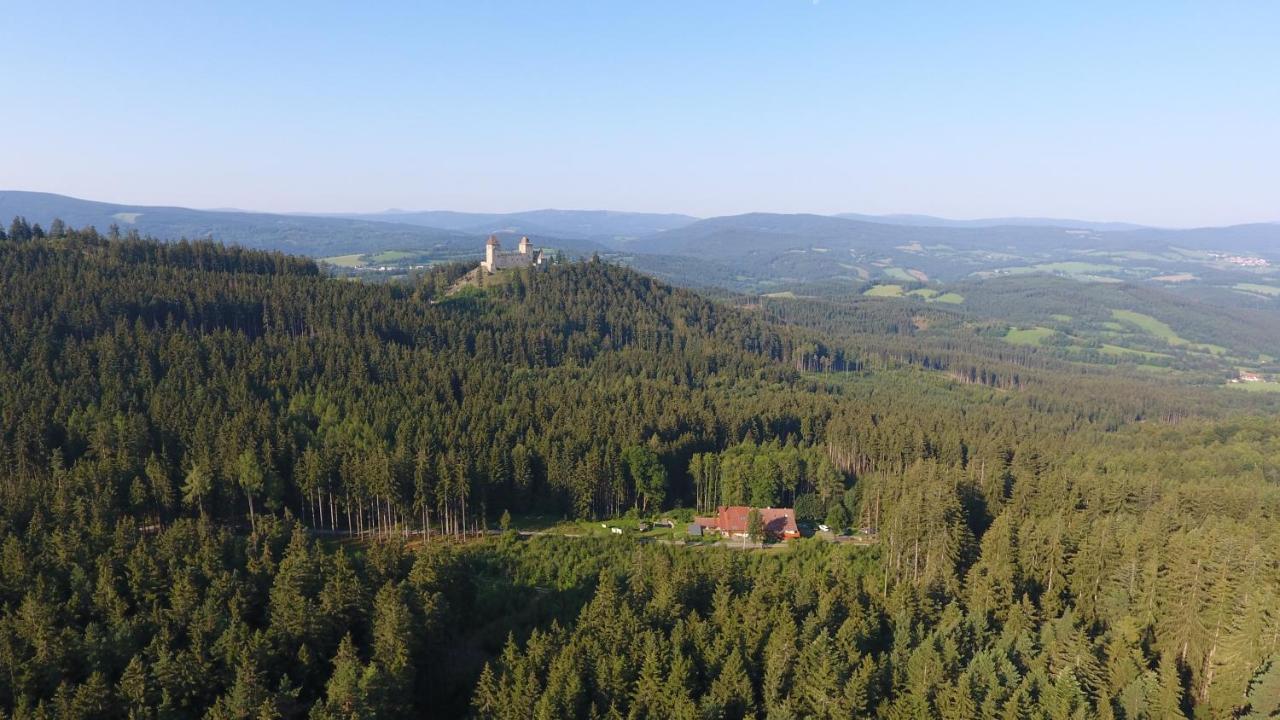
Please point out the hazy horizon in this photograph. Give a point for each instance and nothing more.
(392, 211)
(1149, 113)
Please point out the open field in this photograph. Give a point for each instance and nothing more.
(348, 261)
(1068, 267)
(1256, 387)
(1028, 336)
(932, 295)
(1107, 349)
(390, 256)
(884, 291)
(1149, 325)
(1269, 290)
(1160, 329)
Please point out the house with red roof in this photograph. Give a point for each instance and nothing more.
(731, 521)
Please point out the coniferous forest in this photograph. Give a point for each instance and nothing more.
(232, 486)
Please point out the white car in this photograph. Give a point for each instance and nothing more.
(824, 528)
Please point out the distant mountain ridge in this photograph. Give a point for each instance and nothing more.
(578, 224)
(314, 235)
(737, 251)
(767, 251)
(304, 235)
(775, 231)
(934, 221)
(766, 232)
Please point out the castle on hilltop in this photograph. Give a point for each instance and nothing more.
(496, 259)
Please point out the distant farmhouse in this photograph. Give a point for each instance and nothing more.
(1246, 376)
(495, 258)
(731, 521)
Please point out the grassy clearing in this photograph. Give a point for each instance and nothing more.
(931, 295)
(785, 294)
(898, 273)
(388, 256)
(884, 291)
(1062, 318)
(630, 527)
(1070, 267)
(1269, 290)
(1028, 336)
(1124, 351)
(1210, 348)
(348, 261)
(1135, 255)
(1155, 327)
(1149, 325)
(1256, 387)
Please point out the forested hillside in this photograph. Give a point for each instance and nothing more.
(231, 486)
(309, 235)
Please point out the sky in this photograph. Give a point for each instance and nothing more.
(1165, 113)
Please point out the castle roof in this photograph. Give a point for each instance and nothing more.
(493, 240)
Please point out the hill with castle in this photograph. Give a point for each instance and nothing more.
(495, 258)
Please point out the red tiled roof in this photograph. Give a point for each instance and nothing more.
(779, 522)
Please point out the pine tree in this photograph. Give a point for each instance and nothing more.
(730, 694)
(392, 657)
(755, 525)
(196, 488)
(345, 695)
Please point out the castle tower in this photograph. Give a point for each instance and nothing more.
(525, 245)
(490, 253)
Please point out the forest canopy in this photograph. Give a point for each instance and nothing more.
(232, 486)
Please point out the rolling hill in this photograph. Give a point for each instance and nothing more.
(754, 252)
(574, 224)
(761, 250)
(933, 220)
(318, 236)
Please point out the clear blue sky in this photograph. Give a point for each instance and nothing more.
(1160, 112)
